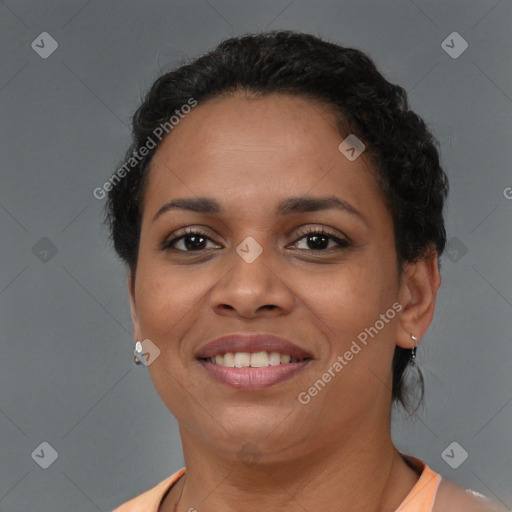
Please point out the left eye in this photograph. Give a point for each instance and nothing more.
(319, 238)
(194, 241)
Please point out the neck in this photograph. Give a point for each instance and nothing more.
(362, 472)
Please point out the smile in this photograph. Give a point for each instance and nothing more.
(250, 378)
(254, 360)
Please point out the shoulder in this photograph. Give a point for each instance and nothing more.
(149, 500)
(451, 498)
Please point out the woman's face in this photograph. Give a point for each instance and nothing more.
(249, 156)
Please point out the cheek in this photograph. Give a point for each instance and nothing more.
(167, 303)
(351, 305)
(166, 299)
(353, 297)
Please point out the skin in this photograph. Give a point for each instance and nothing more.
(335, 453)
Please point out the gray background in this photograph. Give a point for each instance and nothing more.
(66, 368)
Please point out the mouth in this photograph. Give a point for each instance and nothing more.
(250, 362)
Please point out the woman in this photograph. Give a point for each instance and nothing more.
(280, 212)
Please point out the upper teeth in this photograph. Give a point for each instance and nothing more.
(254, 360)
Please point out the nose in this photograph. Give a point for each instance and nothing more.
(252, 286)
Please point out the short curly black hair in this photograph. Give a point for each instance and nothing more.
(402, 149)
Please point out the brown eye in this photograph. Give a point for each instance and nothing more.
(193, 240)
(318, 240)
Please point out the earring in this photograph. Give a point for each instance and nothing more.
(413, 350)
(137, 353)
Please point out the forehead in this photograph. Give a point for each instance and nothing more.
(274, 125)
(254, 149)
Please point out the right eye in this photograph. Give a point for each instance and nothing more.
(193, 241)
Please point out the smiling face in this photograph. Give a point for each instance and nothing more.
(253, 158)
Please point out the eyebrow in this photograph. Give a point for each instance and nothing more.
(292, 205)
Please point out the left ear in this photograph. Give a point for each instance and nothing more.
(418, 292)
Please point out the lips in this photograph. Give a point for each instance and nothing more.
(251, 343)
(252, 361)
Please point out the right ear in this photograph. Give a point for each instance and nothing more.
(133, 308)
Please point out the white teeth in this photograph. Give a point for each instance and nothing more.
(242, 359)
(259, 359)
(229, 359)
(274, 358)
(254, 360)
(285, 358)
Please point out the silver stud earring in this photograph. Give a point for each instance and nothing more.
(137, 353)
(413, 350)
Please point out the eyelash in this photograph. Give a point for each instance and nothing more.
(342, 244)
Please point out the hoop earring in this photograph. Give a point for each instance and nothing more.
(413, 350)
